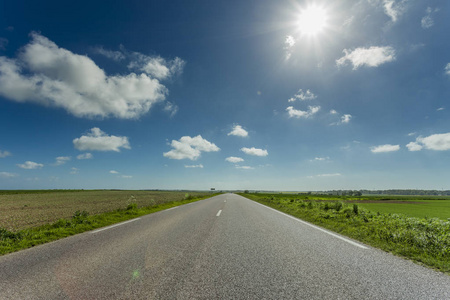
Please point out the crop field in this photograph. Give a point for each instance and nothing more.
(27, 209)
(412, 206)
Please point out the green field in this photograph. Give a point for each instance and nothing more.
(413, 208)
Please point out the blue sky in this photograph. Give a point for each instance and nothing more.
(274, 95)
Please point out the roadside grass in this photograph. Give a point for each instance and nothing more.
(81, 221)
(423, 240)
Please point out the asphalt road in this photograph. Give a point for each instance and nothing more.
(225, 247)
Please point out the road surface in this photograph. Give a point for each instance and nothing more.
(225, 247)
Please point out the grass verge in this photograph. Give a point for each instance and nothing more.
(425, 241)
(81, 221)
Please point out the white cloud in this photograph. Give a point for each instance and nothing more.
(233, 159)
(171, 108)
(238, 131)
(29, 165)
(4, 154)
(413, 146)
(85, 156)
(156, 66)
(371, 57)
(346, 118)
(321, 159)
(49, 75)
(244, 167)
(325, 175)
(254, 151)
(114, 55)
(190, 148)
(289, 42)
(7, 175)
(440, 108)
(113, 172)
(438, 142)
(447, 69)
(427, 21)
(295, 113)
(126, 176)
(333, 112)
(60, 160)
(303, 95)
(74, 171)
(412, 133)
(194, 166)
(392, 8)
(97, 140)
(385, 148)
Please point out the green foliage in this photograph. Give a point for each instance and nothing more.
(355, 209)
(132, 206)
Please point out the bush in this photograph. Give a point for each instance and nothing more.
(132, 206)
(355, 209)
(80, 217)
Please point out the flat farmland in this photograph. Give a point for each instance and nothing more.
(27, 209)
(412, 208)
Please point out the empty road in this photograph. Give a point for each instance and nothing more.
(225, 247)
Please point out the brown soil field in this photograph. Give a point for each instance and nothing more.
(21, 211)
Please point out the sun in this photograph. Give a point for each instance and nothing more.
(312, 20)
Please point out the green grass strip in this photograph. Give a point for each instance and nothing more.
(80, 222)
(424, 241)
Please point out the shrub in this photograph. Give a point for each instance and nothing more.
(80, 217)
(132, 206)
(355, 209)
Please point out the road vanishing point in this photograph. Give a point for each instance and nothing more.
(224, 247)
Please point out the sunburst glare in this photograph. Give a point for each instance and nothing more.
(312, 20)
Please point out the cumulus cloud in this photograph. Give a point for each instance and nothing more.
(200, 166)
(303, 95)
(295, 113)
(60, 160)
(85, 156)
(190, 148)
(437, 142)
(113, 172)
(4, 154)
(7, 175)
(49, 75)
(254, 151)
(370, 57)
(238, 131)
(385, 148)
(413, 146)
(97, 140)
(333, 112)
(30, 165)
(440, 109)
(156, 66)
(233, 159)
